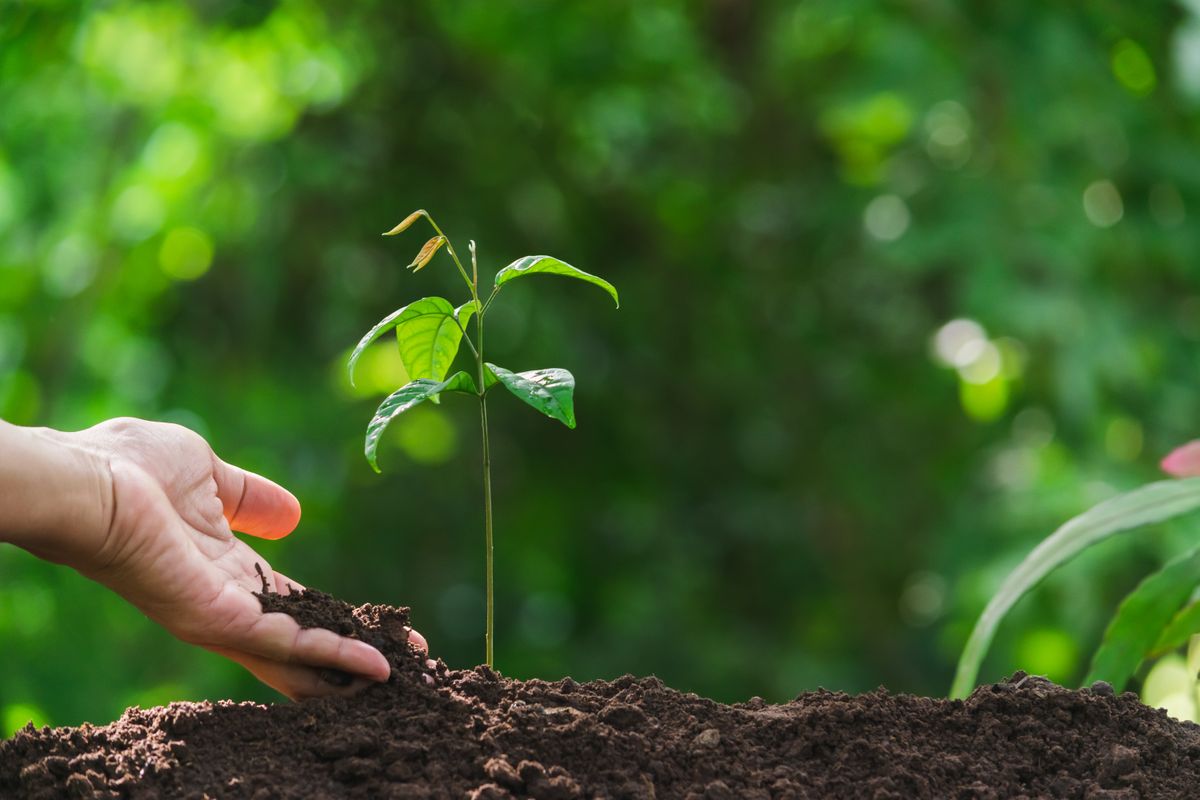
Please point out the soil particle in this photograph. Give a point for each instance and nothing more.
(432, 733)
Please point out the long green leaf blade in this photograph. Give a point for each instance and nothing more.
(1182, 627)
(426, 306)
(1141, 619)
(550, 391)
(1151, 503)
(547, 265)
(404, 398)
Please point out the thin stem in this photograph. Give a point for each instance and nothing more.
(474, 266)
(487, 523)
(477, 350)
(491, 297)
(453, 255)
(466, 338)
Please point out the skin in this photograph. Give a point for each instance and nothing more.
(148, 510)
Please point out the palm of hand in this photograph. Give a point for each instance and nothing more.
(170, 551)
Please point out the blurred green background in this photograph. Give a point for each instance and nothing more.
(904, 286)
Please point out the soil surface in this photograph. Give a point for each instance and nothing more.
(439, 733)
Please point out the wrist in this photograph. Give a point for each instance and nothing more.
(56, 497)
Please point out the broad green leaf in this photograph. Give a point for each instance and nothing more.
(429, 341)
(409, 220)
(427, 251)
(550, 391)
(425, 307)
(403, 399)
(1183, 625)
(1151, 503)
(1141, 618)
(546, 265)
(464, 313)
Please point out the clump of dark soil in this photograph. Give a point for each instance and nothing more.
(439, 733)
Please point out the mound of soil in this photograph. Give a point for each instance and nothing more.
(439, 733)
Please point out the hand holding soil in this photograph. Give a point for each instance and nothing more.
(149, 510)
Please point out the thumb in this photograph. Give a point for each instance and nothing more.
(253, 504)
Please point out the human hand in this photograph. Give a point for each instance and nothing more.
(167, 546)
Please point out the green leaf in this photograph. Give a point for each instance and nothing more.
(545, 265)
(464, 313)
(1141, 619)
(429, 341)
(433, 307)
(1151, 503)
(409, 220)
(403, 399)
(550, 391)
(1182, 627)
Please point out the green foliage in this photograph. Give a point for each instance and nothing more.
(780, 483)
(1155, 502)
(428, 333)
(1183, 625)
(406, 397)
(550, 391)
(545, 265)
(1142, 619)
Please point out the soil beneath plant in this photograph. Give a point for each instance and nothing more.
(441, 733)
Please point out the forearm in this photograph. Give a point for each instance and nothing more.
(54, 497)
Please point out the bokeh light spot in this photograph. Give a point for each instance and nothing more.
(425, 435)
(172, 151)
(186, 253)
(137, 213)
(1123, 438)
(1102, 204)
(982, 364)
(18, 715)
(1048, 651)
(954, 342)
(886, 218)
(1133, 68)
(1172, 686)
(70, 266)
(984, 402)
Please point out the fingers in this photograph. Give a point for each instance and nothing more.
(278, 637)
(295, 681)
(253, 504)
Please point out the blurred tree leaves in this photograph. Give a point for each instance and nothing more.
(794, 199)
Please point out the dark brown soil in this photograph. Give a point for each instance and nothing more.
(477, 734)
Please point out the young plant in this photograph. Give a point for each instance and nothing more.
(429, 332)
(1158, 617)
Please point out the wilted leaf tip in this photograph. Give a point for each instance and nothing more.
(409, 220)
(426, 253)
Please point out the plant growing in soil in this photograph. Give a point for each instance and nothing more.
(1157, 618)
(429, 332)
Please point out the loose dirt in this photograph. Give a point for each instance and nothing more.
(476, 734)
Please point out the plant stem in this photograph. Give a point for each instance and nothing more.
(489, 634)
(487, 523)
(453, 255)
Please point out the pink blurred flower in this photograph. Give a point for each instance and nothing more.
(1183, 461)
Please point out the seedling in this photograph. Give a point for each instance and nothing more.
(1154, 621)
(429, 332)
